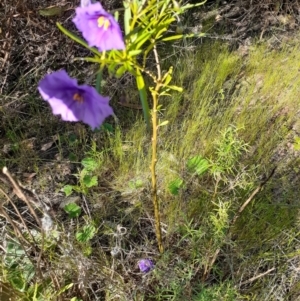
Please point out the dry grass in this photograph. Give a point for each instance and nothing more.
(256, 92)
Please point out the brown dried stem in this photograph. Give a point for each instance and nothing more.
(154, 155)
(21, 195)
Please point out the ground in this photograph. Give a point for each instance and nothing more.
(239, 112)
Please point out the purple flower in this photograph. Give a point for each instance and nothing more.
(72, 101)
(145, 265)
(98, 27)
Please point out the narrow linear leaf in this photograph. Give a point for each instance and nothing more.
(168, 76)
(184, 36)
(188, 6)
(127, 17)
(165, 93)
(132, 53)
(176, 88)
(120, 71)
(165, 5)
(77, 39)
(143, 97)
(171, 38)
(65, 288)
(116, 16)
(163, 123)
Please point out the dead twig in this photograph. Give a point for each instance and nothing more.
(236, 216)
(256, 191)
(17, 211)
(257, 277)
(21, 195)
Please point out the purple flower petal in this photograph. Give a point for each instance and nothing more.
(145, 265)
(98, 27)
(72, 101)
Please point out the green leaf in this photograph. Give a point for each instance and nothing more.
(111, 68)
(198, 164)
(136, 184)
(163, 26)
(14, 253)
(127, 17)
(165, 93)
(189, 6)
(68, 189)
(72, 138)
(171, 38)
(73, 210)
(175, 185)
(89, 164)
(168, 76)
(107, 127)
(132, 53)
(63, 289)
(143, 38)
(19, 268)
(297, 143)
(17, 281)
(176, 6)
(139, 183)
(176, 88)
(86, 233)
(87, 251)
(72, 157)
(90, 181)
(143, 97)
(77, 39)
(163, 123)
(120, 71)
(160, 33)
(116, 16)
(164, 7)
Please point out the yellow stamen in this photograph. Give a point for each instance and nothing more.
(103, 22)
(77, 97)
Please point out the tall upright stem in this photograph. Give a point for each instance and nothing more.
(155, 94)
(153, 172)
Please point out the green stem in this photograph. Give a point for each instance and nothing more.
(98, 81)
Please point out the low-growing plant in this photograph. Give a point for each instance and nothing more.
(86, 178)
